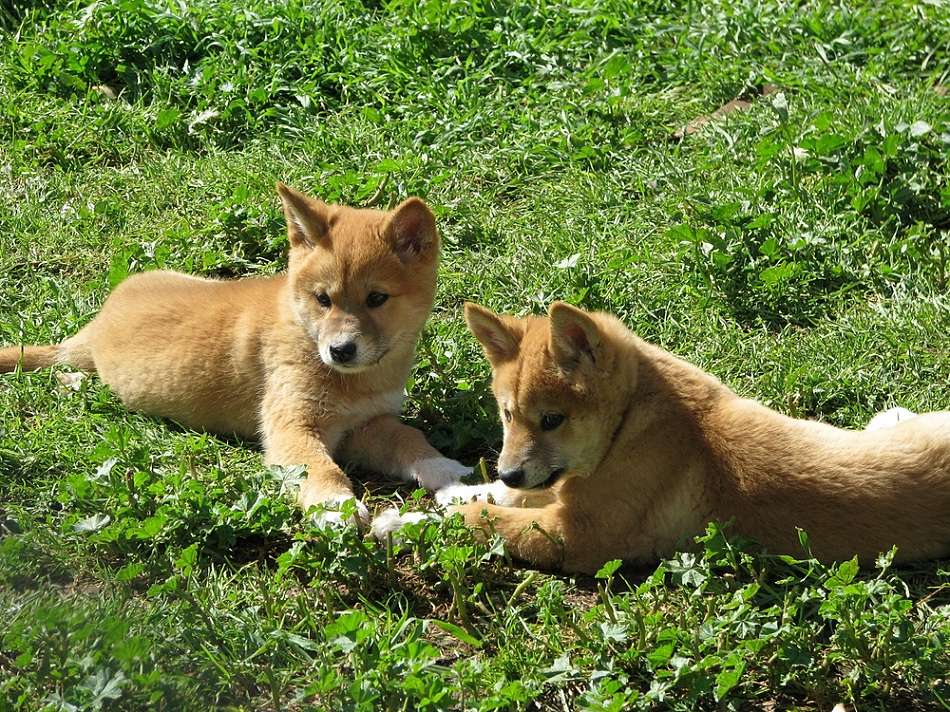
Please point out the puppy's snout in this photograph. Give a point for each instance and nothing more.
(343, 353)
(512, 478)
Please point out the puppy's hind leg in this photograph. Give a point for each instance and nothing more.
(889, 418)
(77, 352)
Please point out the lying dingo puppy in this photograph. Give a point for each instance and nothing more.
(615, 449)
(312, 361)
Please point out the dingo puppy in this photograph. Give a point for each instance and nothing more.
(312, 361)
(616, 449)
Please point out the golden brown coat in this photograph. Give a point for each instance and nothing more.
(255, 357)
(651, 448)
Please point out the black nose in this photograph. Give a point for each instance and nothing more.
(512, 478)
(344, 353)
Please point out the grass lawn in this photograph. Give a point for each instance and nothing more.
(797, 247)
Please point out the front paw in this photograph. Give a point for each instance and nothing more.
(434, 473)
(391, 521)
(493, 492)
(330, 512)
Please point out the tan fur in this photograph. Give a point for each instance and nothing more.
(654, 448)
(251, 357)
(26, 358)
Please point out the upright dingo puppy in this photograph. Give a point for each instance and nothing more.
(616, 449)
(312, 361)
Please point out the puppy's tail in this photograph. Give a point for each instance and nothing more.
(75, 351)
(28, 358)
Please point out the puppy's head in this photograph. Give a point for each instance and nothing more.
(361, 281)
(553, 380)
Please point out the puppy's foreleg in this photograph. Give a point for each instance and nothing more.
(494, 492)
(390, 447)
(289, 438)
(536, 535)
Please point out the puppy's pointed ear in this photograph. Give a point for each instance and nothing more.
(574, 335)
(308, 220)
(499, 341)
(410, 229)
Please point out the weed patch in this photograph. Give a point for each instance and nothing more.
(797, 249)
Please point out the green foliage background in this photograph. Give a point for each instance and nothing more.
(797, 249)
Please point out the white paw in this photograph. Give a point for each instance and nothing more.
(330, 515)
(434, 473)
(889, 418)
(391, 521)
(495, 491)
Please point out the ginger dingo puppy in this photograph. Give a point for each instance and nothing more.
(312, 362)
(616, 449)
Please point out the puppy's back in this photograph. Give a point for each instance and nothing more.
(852, 491)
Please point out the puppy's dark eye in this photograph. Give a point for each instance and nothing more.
(376, 299)
(549, 421)
(324, 300)
(507, 415)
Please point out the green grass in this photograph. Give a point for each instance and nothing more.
(798, 250)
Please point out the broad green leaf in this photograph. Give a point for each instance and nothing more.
(166, 117)
(608, 569)
(457, 632)
(727, 679)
